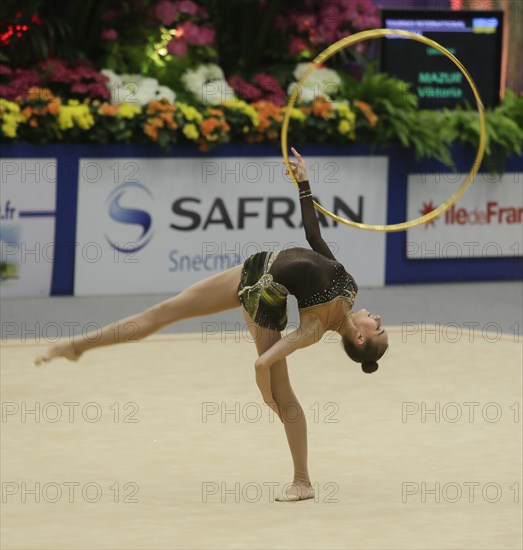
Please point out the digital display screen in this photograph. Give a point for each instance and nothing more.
(474, 37)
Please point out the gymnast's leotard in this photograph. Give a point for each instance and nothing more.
(314, 276)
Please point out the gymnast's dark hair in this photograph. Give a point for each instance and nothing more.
(367, 354)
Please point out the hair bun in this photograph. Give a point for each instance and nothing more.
(369, 366)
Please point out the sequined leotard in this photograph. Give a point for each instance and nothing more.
(314, 276)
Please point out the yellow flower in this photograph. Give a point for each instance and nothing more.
(8, 106)
(191, 132)
(190, 113)
(129, 110)
(296, 114)
(71, 114)
(244, 108)
(343, 110)
(344, 127)
(10, 125)
(11, 117)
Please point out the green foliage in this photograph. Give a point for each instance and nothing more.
(399, 118)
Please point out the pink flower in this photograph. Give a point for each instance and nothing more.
(266, 82)
(79, 88)
(21, 81)
(98, 90)
(177, 47)
(166, 12)
(296, 45)
(305, 22)
(4, 69)
(199, 36)
(188, 7)
(207, 36)
(109, 35)
(244, 89)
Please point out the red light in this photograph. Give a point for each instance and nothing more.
(18, 34)
(24, 27)
(18, 27)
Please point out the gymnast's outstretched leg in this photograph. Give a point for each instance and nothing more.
(212, 295)
(291, 412)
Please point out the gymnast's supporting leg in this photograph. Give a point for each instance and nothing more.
(291, 411)
(212, 295)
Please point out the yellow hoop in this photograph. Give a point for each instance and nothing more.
(378, 33)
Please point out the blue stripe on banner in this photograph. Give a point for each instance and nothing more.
(36, 214)
(65, 226)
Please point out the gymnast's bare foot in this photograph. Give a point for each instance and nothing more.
(62, 349)
(297, 491)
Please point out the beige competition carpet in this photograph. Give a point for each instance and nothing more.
(166, 444)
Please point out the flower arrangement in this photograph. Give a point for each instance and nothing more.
(207, 84)
(263, 87)
(318, 24)
(162, 83)
(185, 18)
(243, 118)
(76, 80)
(130, 88)
(321, 83)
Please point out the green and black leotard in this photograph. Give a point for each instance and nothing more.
(313, 276)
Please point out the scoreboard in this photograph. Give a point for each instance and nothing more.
(474, 37)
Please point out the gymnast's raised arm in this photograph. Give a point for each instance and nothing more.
(308, 212)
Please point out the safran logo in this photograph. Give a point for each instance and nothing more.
(131, 228)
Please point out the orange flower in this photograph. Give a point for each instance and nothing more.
(168, 118)
(215, 112)
(366, 109)
(321, 108)
(158, 122)
(33, 122)
(27, 112)
(208, 126)
(108, 109)
(40, 94)
(161, 106)
(151, 131)
(54, 106)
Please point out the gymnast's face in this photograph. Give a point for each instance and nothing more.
(369, 325)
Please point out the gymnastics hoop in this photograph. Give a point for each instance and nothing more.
(360, 37)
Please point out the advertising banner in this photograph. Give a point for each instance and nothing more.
(486, 222)
(159, 225)
(27, 226)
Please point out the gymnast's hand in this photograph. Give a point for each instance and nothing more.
(298, 167)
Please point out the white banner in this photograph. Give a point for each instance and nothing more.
(486, 222)
(27, 226)
(159, 225)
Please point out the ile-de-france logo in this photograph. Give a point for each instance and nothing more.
(427, 208)
(131, 228)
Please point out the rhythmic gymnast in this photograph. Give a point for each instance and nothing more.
(325, 293)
